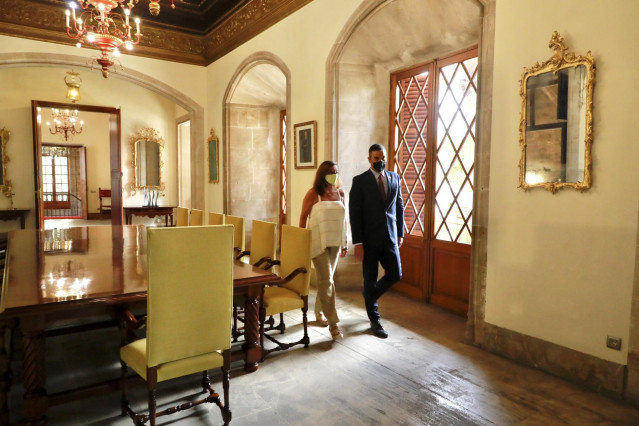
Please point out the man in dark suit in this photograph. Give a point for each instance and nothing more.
(377, 222)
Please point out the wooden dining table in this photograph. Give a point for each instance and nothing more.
(72, 280)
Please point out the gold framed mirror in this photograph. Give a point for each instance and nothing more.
(555, 131)
(146, 161)
(5, 183)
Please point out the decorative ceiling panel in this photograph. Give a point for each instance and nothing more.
(194, 31)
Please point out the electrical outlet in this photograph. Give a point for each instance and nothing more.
(614, 343)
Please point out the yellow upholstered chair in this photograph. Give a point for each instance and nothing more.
(263, 243)
(292, 293)
(197, 217)
(238, 223)
(263, 247)
(182, 216)
(216, 219)
(188, 314)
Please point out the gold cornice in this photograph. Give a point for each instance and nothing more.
(44, 22)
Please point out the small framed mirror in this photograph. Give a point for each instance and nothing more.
(555, 131)
(146, 161)
(5, 183)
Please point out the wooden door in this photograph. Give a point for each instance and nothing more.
(433, 110)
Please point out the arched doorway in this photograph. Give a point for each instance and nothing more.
(440, 28)
(195, 112)
(256, 105)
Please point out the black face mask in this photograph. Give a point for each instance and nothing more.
(379, 166)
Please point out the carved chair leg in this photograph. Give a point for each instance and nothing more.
(206, 381)
(124, 402)
(152, 381)
(226, 412)
(281, 326)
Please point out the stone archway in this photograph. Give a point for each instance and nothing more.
(249, 146)
(365, 12)
(195, 111)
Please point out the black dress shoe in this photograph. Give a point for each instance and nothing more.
(378, 330)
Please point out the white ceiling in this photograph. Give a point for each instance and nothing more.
(405, 30)
(263, 84)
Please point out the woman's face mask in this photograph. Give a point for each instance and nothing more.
(332, 178)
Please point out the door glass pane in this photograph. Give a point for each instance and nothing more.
(455, 138)
(411, 114)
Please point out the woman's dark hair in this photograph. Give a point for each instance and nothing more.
(320, 183)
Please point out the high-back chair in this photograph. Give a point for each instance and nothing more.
(263, 243)
(182, 216)
(292, 293)
(238, 223)
(102, 195)
(188, 314)
(216, 218)
(263, 247)
(197, 217)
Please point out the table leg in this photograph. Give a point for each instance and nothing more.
(253, 349)
(6, 326)
(34, 370)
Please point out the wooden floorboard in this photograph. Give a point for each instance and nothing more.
(422, 374)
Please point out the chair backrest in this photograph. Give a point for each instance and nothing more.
(190, 292)
(216, 219)
(262, 241)
(295, 252)
(197, 217)
(102, 194)
(182, 216)
(238, 222)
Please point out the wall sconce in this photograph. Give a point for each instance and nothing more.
(73, 82)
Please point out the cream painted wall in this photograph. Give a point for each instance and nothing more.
(315, 27)
(139, 108)
(184, 78)
(560, 267)
(95, 139)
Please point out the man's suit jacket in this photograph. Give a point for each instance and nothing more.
(371, 219)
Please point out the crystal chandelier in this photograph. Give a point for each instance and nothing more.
(65, 122)
(99, 26)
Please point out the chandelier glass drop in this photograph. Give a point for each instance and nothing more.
(65, 122)
(98, 25)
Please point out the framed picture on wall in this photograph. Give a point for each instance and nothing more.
(213, 160)
(306, 145)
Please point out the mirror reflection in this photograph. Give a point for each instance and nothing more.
(147, 163)
(556, 121)
(555, 126)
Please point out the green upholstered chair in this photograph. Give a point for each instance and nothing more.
(188, 314)
(197, 217)
(295, 271)
(238, 223)
(216, 218)
(182, 216)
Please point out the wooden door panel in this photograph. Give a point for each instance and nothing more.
(413, 271)
(451, 276)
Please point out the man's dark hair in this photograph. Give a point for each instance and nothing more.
(375, 147)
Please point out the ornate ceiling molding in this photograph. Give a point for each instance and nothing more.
(45, 22)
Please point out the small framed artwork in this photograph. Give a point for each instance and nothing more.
(306, 145)
(213, 143)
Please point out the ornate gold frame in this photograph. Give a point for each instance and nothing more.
(152, 135)
(559, 60)
(5, 188)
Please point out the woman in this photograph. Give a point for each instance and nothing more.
(323, 212)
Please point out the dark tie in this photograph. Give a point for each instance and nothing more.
(382, 190)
